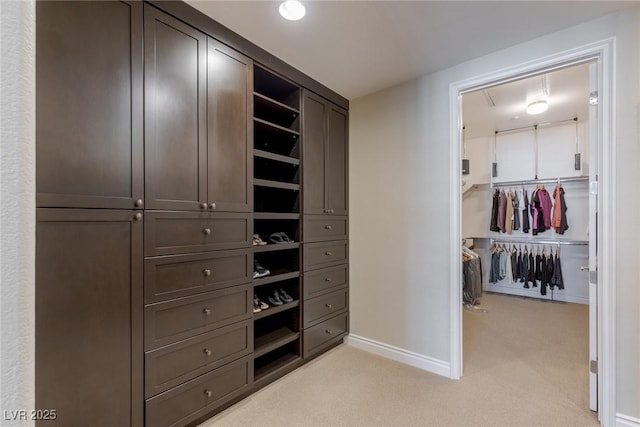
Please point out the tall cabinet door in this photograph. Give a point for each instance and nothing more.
(229, 124)
(336, 169)
(314, 111)
(89, 316)
(175, 113)
(89, 104)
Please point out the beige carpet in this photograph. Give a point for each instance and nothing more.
(525, 364)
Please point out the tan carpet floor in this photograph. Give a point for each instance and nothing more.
(525, 364)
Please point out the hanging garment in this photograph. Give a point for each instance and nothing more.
(539, 267)
(514, 265)
(516, 211)
(471, 276)
(508, 223)
(494, 212)
(564, 225)
(509, 266)
(494, 268)
(545, 204)
(503, 264)
(548, 273)
(556, 278)
(532, 270)
(537, 212)
(518, 265)
(524, 205)
(559, 219)
(524, 274)
(502, 210)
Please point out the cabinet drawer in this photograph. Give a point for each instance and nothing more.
(181, 275)
(323, 227)
(325, 305)
(168, 322)
(325, 254)
(169, 366)
(168, 233)
(195, 398)
(320, 282)
(322, 334)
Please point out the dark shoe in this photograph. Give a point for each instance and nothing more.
(284, 296)
(259, 271)
(280, 237)
(261, 305)
(274, 298)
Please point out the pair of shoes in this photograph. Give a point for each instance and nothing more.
(279, 297)
(280, 237)
(257, 241)
(258, 304)
(259, 271)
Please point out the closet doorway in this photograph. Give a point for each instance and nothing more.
(528, 203)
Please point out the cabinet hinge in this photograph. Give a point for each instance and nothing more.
(594, 367)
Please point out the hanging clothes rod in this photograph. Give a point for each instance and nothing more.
(542, 242)
(540, 181)
(560, 122)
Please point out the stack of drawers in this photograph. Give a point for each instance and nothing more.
(198, 298)
(326, 282)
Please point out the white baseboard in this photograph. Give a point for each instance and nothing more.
(407, 357)
(627, 421)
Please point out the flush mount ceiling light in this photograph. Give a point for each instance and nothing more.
(537, 107)
(292, 10)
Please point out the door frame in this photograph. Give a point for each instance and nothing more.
(602, 52)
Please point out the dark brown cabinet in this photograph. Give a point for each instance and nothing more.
(198, 113)
(89, 364)
(324, 156)
(89, 104)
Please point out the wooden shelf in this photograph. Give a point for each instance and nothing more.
(273, 340)
(275, 215)
(275, 126)
(276, 278)
(274, 368)
(276, 247)
(275, 309)
(276, 157)
(276, 184)
(273, 103)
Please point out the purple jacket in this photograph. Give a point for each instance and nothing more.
(545, 202)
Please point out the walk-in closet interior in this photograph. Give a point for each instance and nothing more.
(525, 205)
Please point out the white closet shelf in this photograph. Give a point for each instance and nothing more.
(584, 178)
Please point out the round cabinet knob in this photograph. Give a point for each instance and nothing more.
(327, 253)
(137, 216)
(203, 206)
(212, 207)
(208, 393)
(138, 203)
(327, 227)
(206, 231)
(331, 211)
(207, 352)
(206, 311)
(327, 279)
(328, 305)
(327, 331)
(206, 272)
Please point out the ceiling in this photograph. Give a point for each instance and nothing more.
(360, 47)
(504, 107)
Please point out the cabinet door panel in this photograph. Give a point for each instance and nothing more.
(336, 170)
(175, 113)
(89, 316)
(313, 128)
(89, 104)
(230, 112)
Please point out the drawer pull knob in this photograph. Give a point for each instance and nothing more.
(208, 393)
(331, 211)
(206, 272)
(138, 203)
(207, 352)
(327, 253)
(212, 206)
(207, 231)
(327, 227)
(327, 331)
(206, 311)
(327, 279)
(137, 216)
(328, 305)
(203, 206)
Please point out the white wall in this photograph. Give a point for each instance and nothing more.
(17, 209)
(400, 219)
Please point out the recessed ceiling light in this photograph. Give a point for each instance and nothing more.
(537, 107)
(292, 10)
(515, 117)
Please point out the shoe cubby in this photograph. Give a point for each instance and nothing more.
(280, 261)
(269, 110)
(275, 363)
(276, 88)
(270, 138)
(276, 170)
(265, 294)
(266, 227)
(275, 331)
(268, 197)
